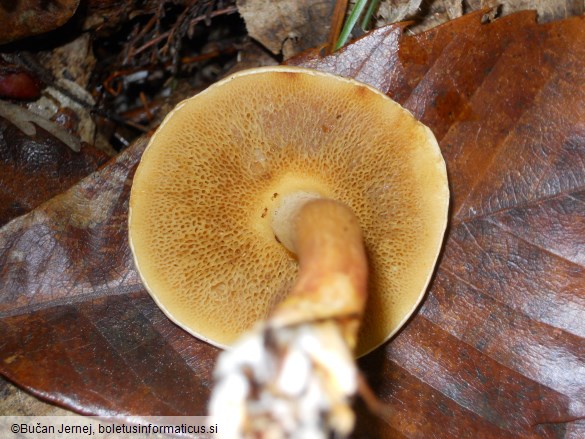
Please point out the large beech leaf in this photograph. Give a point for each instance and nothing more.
(497, 348)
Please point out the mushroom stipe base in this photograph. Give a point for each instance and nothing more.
(331, 284)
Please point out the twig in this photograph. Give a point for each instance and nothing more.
(225, 11)
(207, 56)
(115, 118)
(375, 406)
(129, 52)
(146, 106)
(336, 24)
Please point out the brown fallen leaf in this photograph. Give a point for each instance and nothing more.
(547, 10)
(497, 348)
(288, 26)
(35, 168)
(392, 11)
(26, 18)
(431, 13)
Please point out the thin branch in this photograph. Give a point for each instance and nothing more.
(225, 11)
(336, 24)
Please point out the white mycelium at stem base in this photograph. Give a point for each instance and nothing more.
(293, 376)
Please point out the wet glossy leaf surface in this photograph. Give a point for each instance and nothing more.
(497, 348)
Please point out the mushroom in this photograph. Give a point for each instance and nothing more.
(279, 170)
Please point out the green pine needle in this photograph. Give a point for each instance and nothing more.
(350, 23)
(372, 7)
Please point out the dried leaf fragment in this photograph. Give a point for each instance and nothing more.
(36, 167)
(23, 119)
(26, 18)
(288, 26)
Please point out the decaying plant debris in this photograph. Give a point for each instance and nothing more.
(115, 67)
(117, 71)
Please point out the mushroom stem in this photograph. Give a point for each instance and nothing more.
(332, 280)
(293, 376)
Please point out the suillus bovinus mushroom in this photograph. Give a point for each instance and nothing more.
(307, 201)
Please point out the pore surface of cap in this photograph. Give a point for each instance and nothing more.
(203, 194)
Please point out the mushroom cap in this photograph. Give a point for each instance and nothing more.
(202, 197)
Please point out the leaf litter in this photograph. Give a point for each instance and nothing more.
(502, 227)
